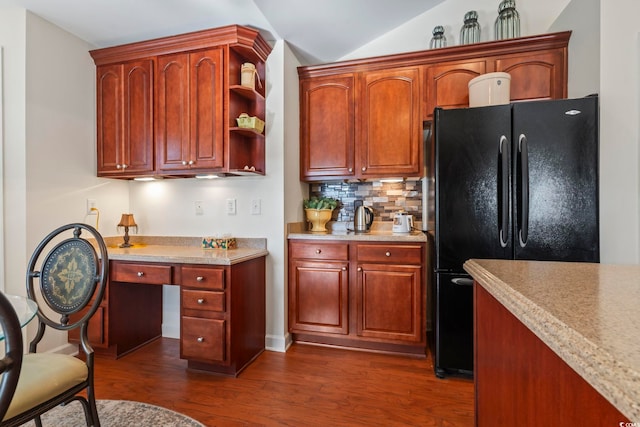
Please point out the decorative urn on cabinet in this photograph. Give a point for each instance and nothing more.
(319, 211)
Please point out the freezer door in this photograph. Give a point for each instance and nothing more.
(453, 325)
(556, 180)
(472, 185)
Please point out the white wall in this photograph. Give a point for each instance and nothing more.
(536, 16)
(619, 132)
(582, 17)
(49, 146)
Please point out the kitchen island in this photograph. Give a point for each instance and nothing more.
(556, 343)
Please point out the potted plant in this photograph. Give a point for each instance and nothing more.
(319, 211)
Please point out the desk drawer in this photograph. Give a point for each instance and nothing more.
(203, 339)
(203, 300)
(203, 277)
(396, 254)
(140, 273)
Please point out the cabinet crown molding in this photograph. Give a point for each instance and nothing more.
(247, 40)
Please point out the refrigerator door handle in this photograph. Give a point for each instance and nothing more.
(462, 281)
(523, 232)
(504, 190)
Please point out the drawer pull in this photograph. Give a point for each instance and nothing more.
(200, 300)
(318, 251)
(388, 253)
(200, 339)
(140, 273)
(199, 279)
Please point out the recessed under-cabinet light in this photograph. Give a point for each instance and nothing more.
(206, 176)
(145, 178)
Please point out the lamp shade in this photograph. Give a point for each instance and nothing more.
(127, 221)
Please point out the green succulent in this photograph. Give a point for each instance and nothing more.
(320, 203)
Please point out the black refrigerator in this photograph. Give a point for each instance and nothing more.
(517, 181)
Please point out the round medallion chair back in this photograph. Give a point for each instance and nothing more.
(66, 277)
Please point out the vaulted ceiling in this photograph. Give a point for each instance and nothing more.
(317, 30)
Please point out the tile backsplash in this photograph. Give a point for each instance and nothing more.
(385, 198)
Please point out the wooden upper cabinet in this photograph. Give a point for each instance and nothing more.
(536, 75)
(168, 106)
(391, 125)
(125, 118)
(189, 111)
(361, 125)
(327, 123)
(395, 94)
(447, 84)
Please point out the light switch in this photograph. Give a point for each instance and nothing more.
(231, 206)
(255, 207)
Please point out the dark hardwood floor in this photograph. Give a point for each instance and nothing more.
(306, 386)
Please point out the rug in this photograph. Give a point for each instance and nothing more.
(117, 413)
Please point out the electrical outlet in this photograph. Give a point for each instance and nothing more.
(92, 208)
(255, 207)
(198, 207)
(231, 206)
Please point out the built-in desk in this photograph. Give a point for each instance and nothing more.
(222, 300)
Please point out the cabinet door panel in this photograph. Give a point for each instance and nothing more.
(206, 109)
(390, 302)
(318, 299)
(172, 111)
(447, 84)
(327, 127)
(536, 76)
(391, 126)
(138, 116)
(109, 122)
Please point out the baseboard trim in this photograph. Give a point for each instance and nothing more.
(278, 343)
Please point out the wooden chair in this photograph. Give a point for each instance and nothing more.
(68, 284)
(12, 361)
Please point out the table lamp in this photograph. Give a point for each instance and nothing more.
(127, 221)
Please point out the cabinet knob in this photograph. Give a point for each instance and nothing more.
(344, 268)
(318, 251)
(359, 268)
(200, 339)
(364, 168)
(140, 273)
(184, 163)
(124, 166)
(199, 279)
(350, 170)
(388, 253)
(191, 162)
(200, 300)
(118, 166)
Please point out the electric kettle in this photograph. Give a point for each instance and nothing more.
(363, 219)
(402, 222)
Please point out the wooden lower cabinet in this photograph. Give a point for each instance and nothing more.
(520, 381)
(222, 312)
(368, 296)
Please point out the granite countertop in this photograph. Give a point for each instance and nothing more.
(586, 313)
(380, 232)
(183, 250)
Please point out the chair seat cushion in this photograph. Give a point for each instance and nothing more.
(43, 376)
